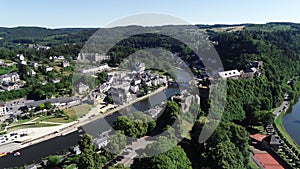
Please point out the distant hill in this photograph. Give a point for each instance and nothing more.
(43, 36)
(24, 36)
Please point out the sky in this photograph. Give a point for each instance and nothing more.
(99, 13)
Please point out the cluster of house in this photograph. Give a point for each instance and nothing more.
(22, 61)
(11, 81)
(95, 69)
(121, 84)
(92, 57)
(266, 148)
(251, 70)
(56, 58)
(41, 47)
(61, 59)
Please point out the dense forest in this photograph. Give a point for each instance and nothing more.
(248, 104)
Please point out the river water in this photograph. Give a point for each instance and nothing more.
(56, 145)
(291, 122)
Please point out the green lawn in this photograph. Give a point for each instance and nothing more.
(252, 165)
(57, 119)
(5, 70)
(78, 111)
(73, 114)
(30, 126)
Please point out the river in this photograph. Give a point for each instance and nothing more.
(291, 122)
(56, 145)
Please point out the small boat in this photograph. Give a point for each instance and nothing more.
(17, 154)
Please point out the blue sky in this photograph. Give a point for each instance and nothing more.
(98, 13)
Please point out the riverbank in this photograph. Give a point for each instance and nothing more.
(281, 129)
(290, 144)
(46, 133)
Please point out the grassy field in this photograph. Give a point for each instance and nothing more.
(55, 119)
(8, 69)
(78, 111)
(29, 126)
(73, 114)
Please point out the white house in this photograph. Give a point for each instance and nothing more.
(23, 62)
(3, 110)
(134, 89)
(31, 72)
(11, 77)
(61, 58)
(233, 74)
(10, 86)
(137, 81)
(65, 63)
(163, 80)
(56, 80)
(34, 64)
(148, 83)
(101, 142)
(155, 82)
(92, 57)
(95, 69)
(21, 57)
(49, 69)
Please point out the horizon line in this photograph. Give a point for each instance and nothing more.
(87, 27)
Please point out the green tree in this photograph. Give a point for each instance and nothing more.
(86, 143)
(116, 143)
(170, 114)
(86, 161)
(53, 160)
(174, 158)
(48, 105)
(225, 156)
(40, 107)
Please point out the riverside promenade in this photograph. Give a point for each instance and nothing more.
(46, 133)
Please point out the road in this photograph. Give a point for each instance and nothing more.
(135, 146)
(283, 107)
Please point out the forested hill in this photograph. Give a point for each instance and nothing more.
(43, 36)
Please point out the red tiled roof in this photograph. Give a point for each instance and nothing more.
(258, 137)
(268, 161)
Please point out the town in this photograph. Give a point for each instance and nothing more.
(151, 101)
